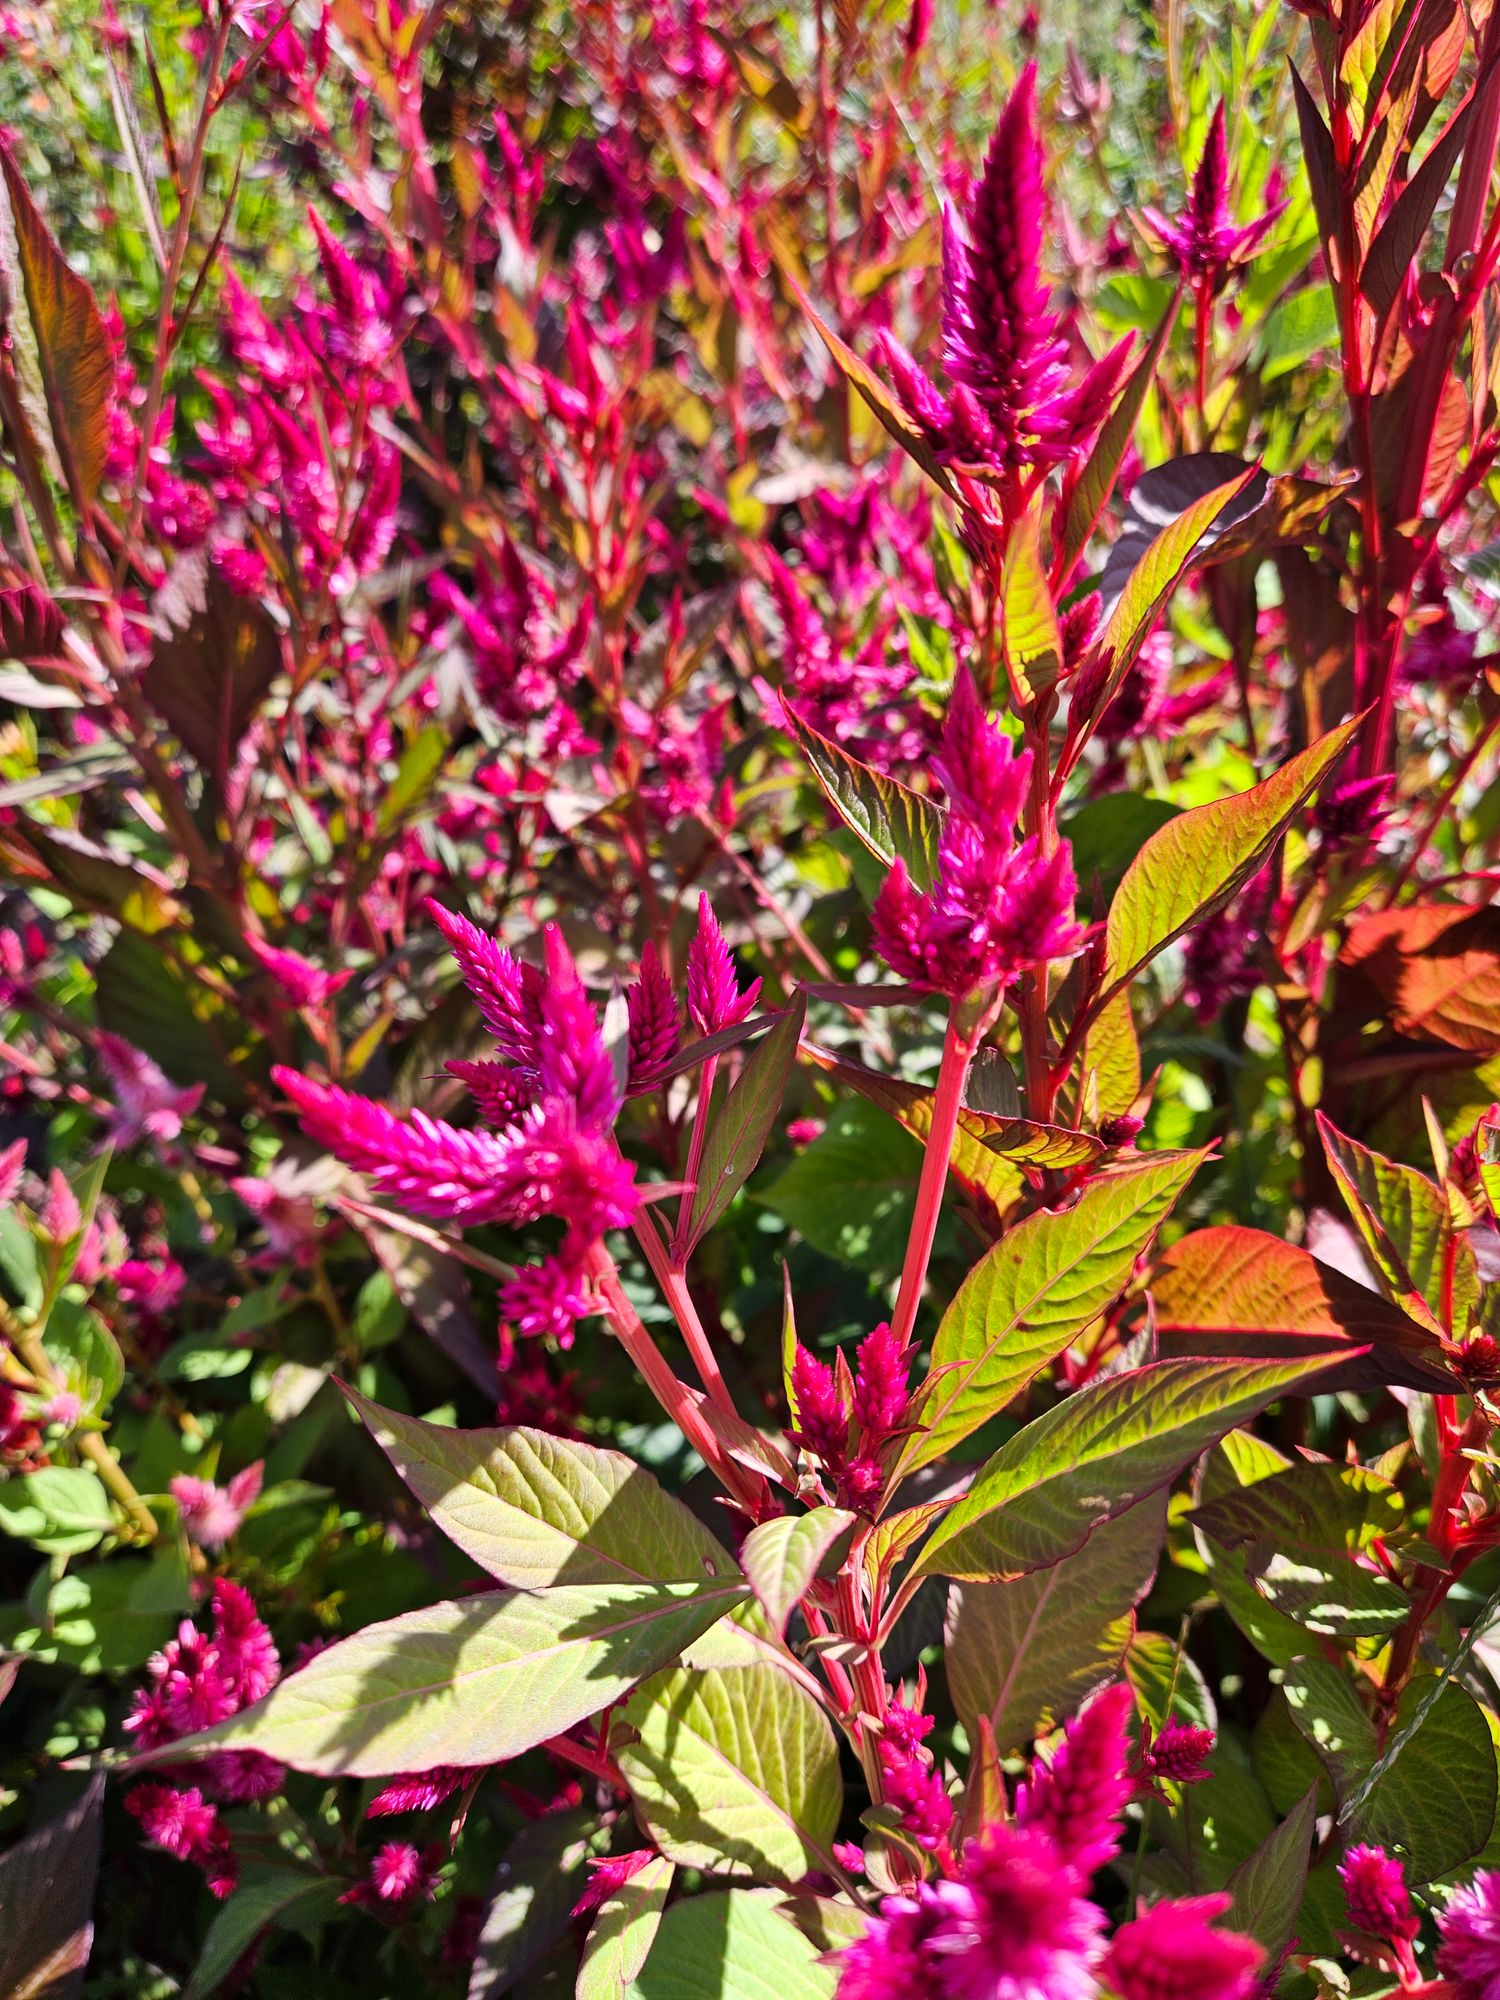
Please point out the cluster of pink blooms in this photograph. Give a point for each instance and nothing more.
(1205, 242)
(997, 906)
(144, 1104)
(910, 1779)
(1014, 1920)
(1384, 1926)
(195, 1681)
(546, 1148)
(400, 1877)
(1012, 411)
(211, 1515)
(845, 1420)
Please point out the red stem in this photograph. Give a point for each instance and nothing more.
(958, 1054)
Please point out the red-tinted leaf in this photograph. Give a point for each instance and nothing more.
(738, 1135)
(72, 347)
(47, 1901)
(1437, 966)
(214, 667)
(1233, 1291)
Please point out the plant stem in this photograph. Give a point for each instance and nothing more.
(673, 1281)
(28, 1344)
(958, 1054)
(676, 1398)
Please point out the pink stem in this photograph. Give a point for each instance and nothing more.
(695, 1154)
(958, 1054)
(673, 1282)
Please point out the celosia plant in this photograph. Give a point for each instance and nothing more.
(750, 1195)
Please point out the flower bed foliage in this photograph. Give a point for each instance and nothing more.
(751, 1001)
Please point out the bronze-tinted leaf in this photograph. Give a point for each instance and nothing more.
(214, 665)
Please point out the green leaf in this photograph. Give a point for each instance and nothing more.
(531, 1898)
(1034, 1293)
(851, 1192)
(1322, 1703)
(1027, 1652)
(259, 1901)
(1091, 494)
(47, 1884)
(737, 1137)
(1301, 1530)
(736, 1769)
(1195, 862)
(72, 346)
(732, 1946)
(782, 1556)
(892, 822)
(1107, 833)
(624, 1931)
(472, 1682)
(1087, 1460)
(535, 1510)
(1148, 587)
(1030, 636)
(1268, 1888)
(1436, 1805)
(62, 1509)
(420, 763)
(1403, 1218)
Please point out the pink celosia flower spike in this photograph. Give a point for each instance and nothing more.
(146, 1105)
(714, 998)
(997, 906)
(504, 990)
(210, 1514)
(1379, 1904)
(652, 1009)
(1172, 1952)
(1469, 1954)
(1205, 242)
(999, 339)
(1079, 1796)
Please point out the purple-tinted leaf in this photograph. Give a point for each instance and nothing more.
(47, 1902)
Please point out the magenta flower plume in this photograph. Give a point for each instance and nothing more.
(822, 1426)
(891, 1958)
(652, 1009)
(1014, 1927)
(1077, 1799)
(419, 1791)
(1376, 1895)
(1469, 1954)
(1172, 1952)
(427, 1165)
(1177, 1752)
(713, 995)
(880, 1384)
(1205, 242)
(504, 990)
(146, 1105)
(997, 907)
(999, 338)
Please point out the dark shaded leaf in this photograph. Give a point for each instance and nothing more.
(47, 1901)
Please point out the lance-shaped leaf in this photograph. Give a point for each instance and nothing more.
(1267, 1888)
(737, 1137)
(620, 1941)
(1043, 1493)
(265, 1896)
(732, 1946)
(47, 1902)
(1027, 1140)
(1196, 862)
(1090, 496)
(1403, 1218)
(1030, 636)
(893, 418)
(1024, 1654)
(782, 1556)
(1437, 965)
(735, 1769)
(893, 822)
(212, 668)
(70, 343)
(536, 1883)
(1146, 590)
(1234, 1291)
(1302, 1533)
(1034, 1293)
(472, 1682)
(535, 1510)
(1399, 237)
